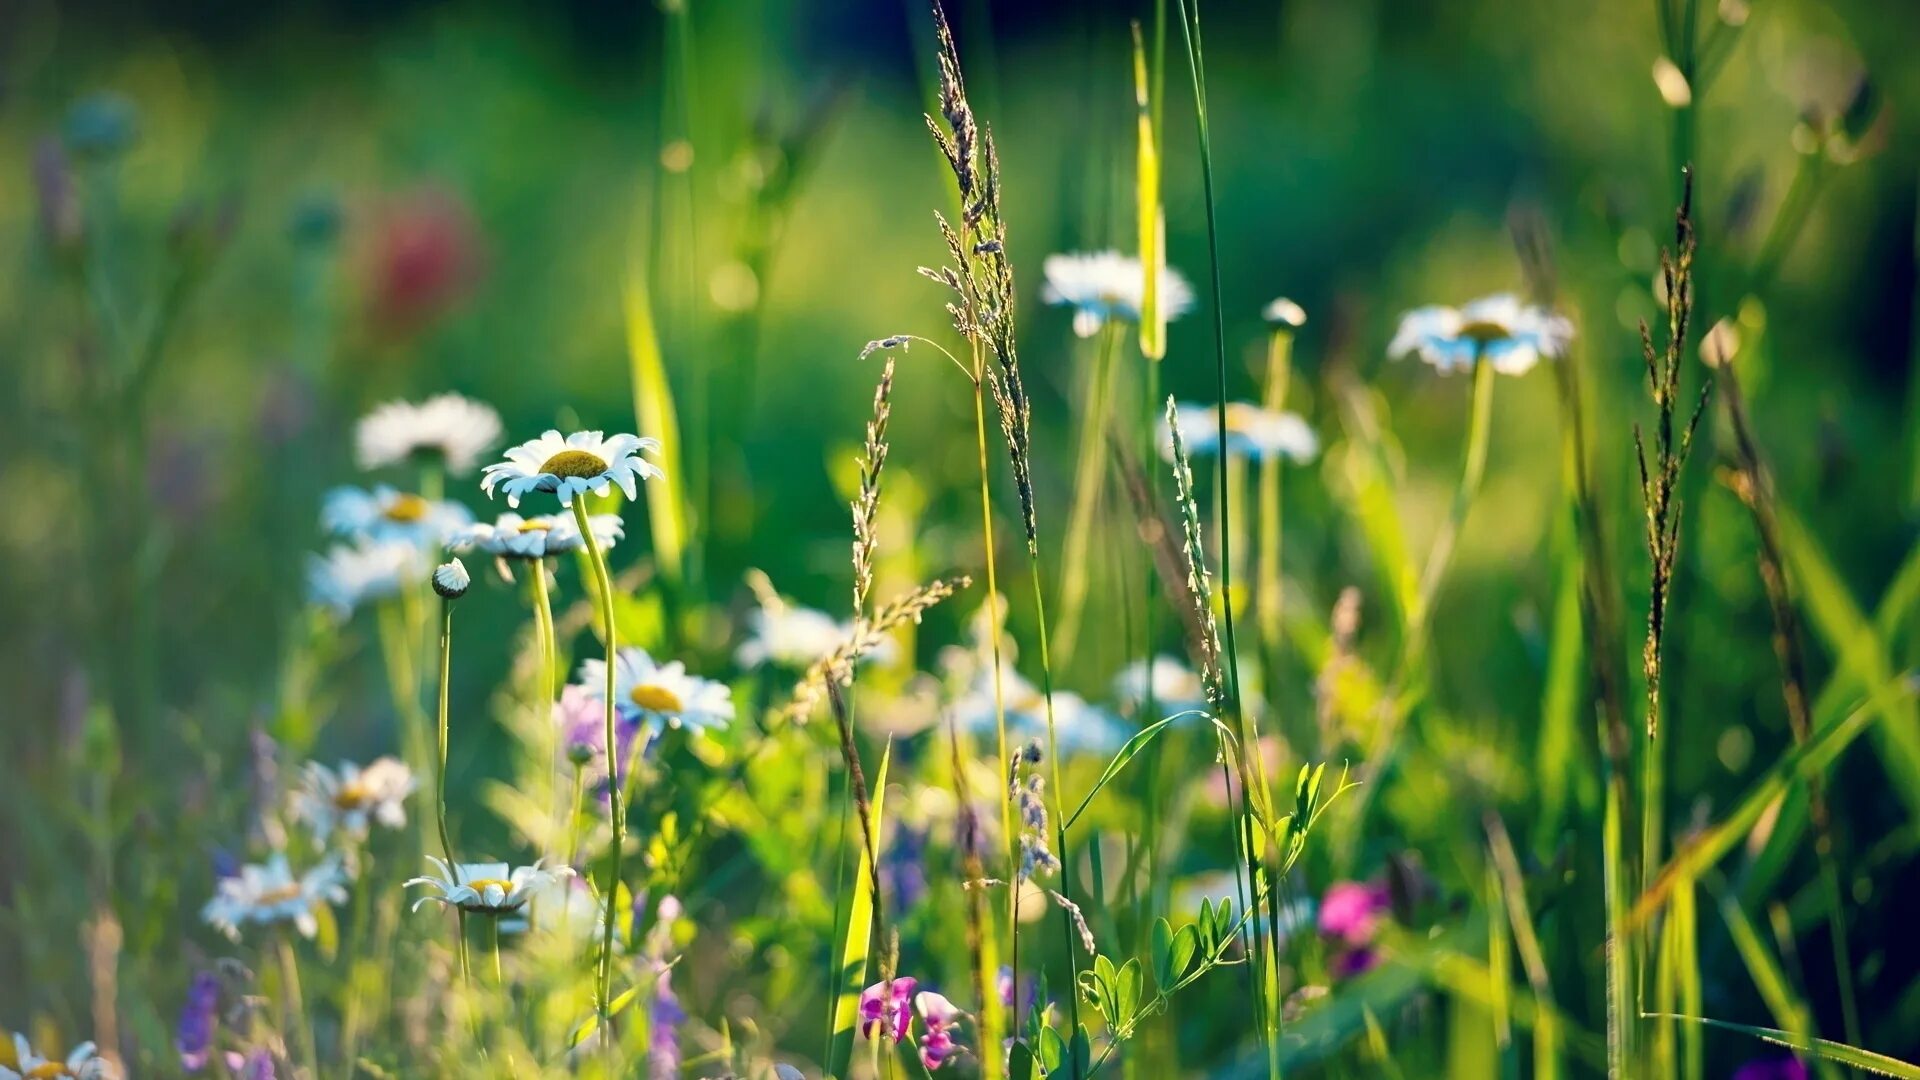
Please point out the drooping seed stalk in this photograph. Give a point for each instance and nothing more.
(603, 582)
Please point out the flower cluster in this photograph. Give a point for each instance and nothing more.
(1029, 795)
(888, 1010)
(1350, 916)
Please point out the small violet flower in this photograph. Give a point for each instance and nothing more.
(886, 1009)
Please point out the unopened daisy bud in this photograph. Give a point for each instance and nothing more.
(450, 579)
(1284, 313)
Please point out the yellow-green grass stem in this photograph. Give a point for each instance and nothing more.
(1007, 830)
(1089, 481)
(294, 1002)
(1267, 592)
(603, 582)
(546, 641)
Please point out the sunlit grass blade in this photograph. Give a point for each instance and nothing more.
(1825, 1049)
(1769, 978)
(1125, 755)
(1707, 847)
(853, 953)
(653, 412)
(1149, 216)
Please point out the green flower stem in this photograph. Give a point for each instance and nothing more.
(603, 582)
(440, 781)
(1268, 613)
(1473, 469)
(549, 648)
(1069, 934)
(1007, 829)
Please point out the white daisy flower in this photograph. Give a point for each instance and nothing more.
(581, 462)
(792, 636)
(1104, 285)
(660, 696)
(559, 905)
(269, 893)
(1499, 329)
(1252, 432)
(1078, 724)
(457, 429)
(352, 798)
(84, 1063)
(486, 888)
(514, 537)
(386, 513)
(353, 574)
(1176, 687)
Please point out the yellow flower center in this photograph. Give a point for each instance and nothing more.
(47, 1070)
(480, 885)
(280, 895)
(406, 509)
(353, 796)
(536, 525)
(574, 463)
(655, 699)
(1485, 331)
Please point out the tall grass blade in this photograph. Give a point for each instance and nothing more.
(1824, 1049)
(853, 953)
(653, 413)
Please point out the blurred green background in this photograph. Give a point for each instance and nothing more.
(452, 196)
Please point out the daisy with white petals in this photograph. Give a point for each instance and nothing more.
(514, 537)
(1510, 336)
(353, 798)
(585, 461)
(660, 696)
(1102, 285)
(792, 636)
(350, 575)
(84, 1063)
(455, 429)
(1252, 432)
(268, 893)
(386, 513)
(487, 888)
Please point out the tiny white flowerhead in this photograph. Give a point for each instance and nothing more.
(1252, 432)
(269, 892)
(454, 428)
(450, 579)
(514, 537)
(660, 696)
(351, 799)
(350, 575)
(486, 888)
(1509, 335)
(1283, 312)
(1104, 285)
(384, 513)
(585, 461)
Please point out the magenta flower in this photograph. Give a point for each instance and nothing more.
(942, 1019)
(887, 1007)
(1351, 911)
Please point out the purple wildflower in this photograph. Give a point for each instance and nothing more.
(886, 1009)
(942, 1019)
(1772, 1068)
(664, 1012)
(255, 1065)
(903, 871)
(582, 721)
(194, 1037)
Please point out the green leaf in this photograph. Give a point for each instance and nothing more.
(653, 413)
(1825, 1049)
(1186, 942)
(1081, 1053)
(1163, 973)
(1127, 993)
(1053, 1051)
(1020, 1062)
(1126, 754)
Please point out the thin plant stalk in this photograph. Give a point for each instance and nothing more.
(1267, 588)
(440, 780)
(1190, 34)
(603, 582)
(1472, 471)
(1089, 481)
(999, 697)
(549, 648)
(295, 1002)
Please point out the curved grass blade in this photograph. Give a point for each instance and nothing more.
(1825, 1049)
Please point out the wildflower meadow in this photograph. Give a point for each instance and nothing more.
(804, 539)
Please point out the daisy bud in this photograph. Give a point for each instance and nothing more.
(450, 579)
